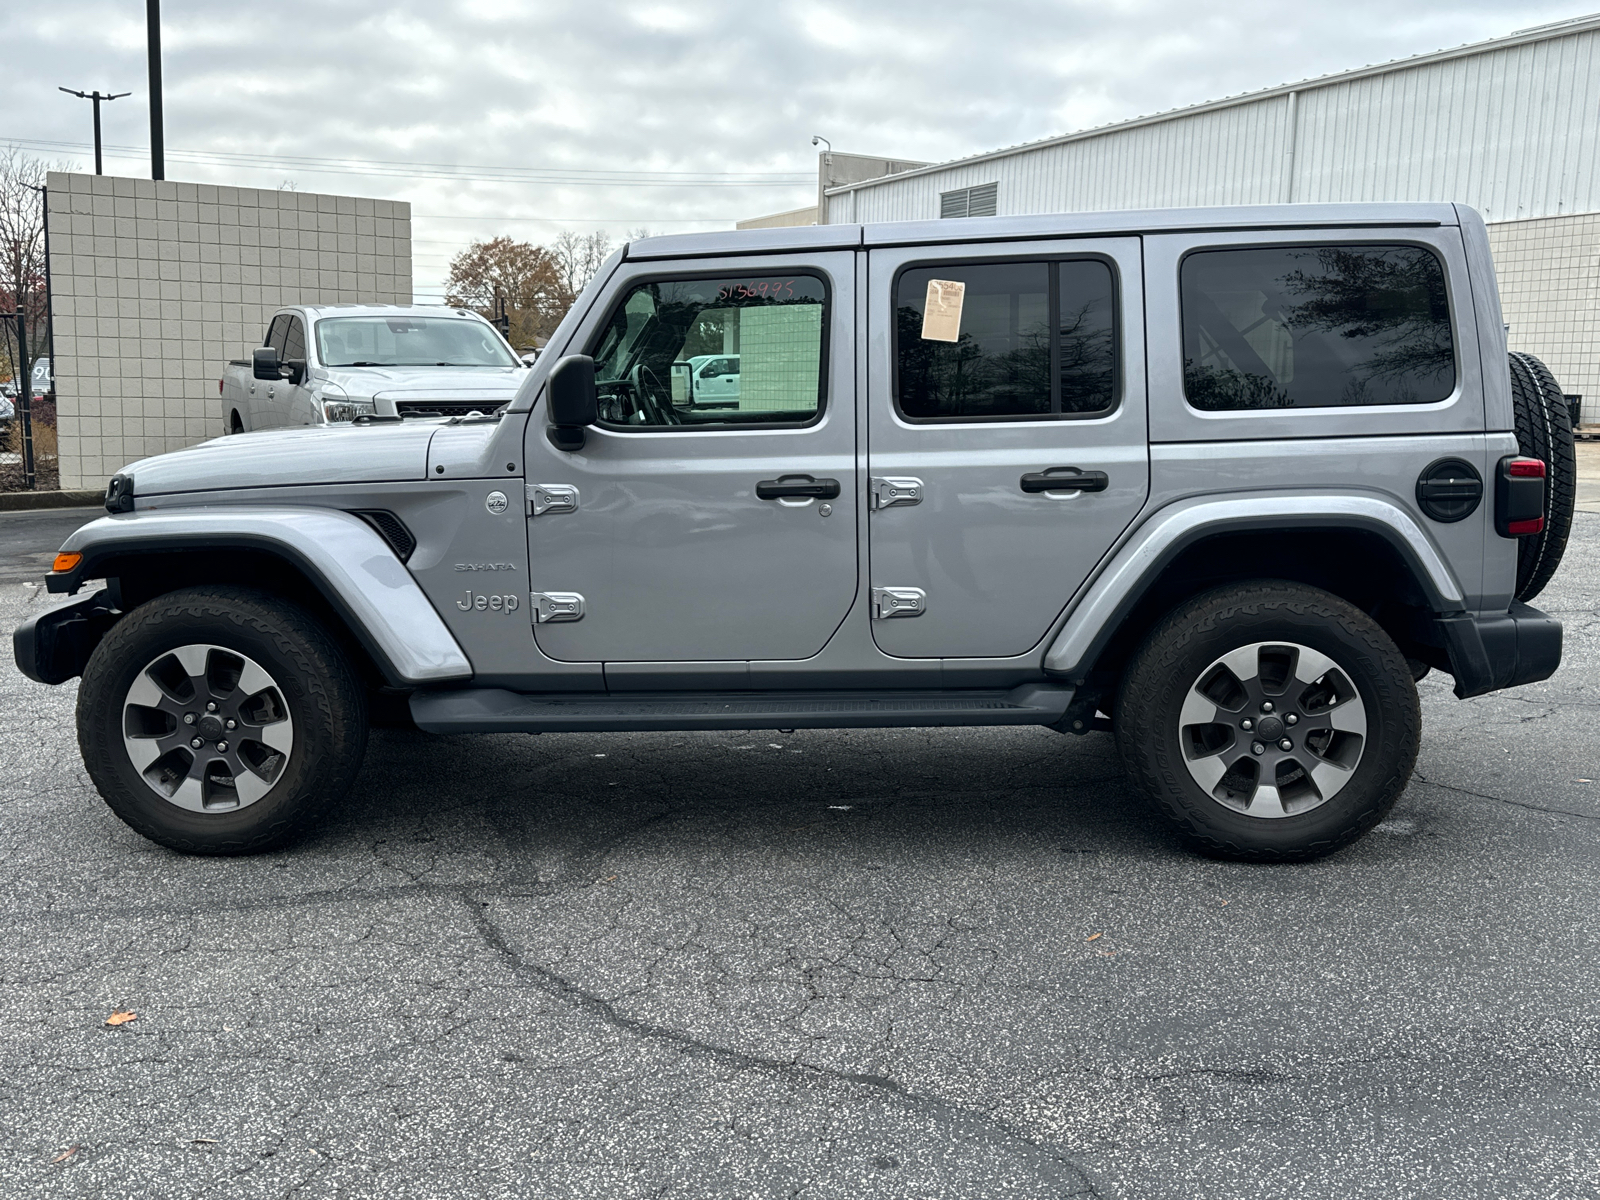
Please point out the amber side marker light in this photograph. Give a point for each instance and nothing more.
(66, 560)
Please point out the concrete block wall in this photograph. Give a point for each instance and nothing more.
(1549, 272)
(156, 286)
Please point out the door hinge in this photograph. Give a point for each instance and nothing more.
(890, 602)
(551, 498)
(887, 493)
(556, 606)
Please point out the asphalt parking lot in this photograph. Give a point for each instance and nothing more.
(915, 963)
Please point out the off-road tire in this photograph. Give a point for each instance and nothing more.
(1543, 425)
(324, 697)
(1180, 648)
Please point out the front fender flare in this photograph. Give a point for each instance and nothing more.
(340, 554)
(1167, 532)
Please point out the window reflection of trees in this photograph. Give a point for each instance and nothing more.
(1377, 317)
(962, 378)
(1087, 357)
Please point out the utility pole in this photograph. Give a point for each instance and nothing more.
(158, 144)
(96, 97)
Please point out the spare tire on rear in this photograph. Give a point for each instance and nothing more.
(1544, 431)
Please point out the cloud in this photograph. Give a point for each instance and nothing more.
(706, 86)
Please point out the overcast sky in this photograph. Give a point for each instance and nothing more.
(612, 91)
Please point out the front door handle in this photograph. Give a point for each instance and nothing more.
(1065, 479)
(798, 487)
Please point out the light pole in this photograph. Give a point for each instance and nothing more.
(96, 97)
(158, 141)
(824, 176)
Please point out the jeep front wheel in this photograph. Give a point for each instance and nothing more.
(1269, 721)
(220, 720)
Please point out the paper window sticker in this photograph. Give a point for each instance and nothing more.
(941, 311)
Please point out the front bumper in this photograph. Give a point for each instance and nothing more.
(54, 646)
(1501, 650)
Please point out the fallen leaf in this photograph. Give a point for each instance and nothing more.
(203, 1141)
(608, 879)
(121, 1018)
(64, 1155)
(1092, 937)
(1225, 903)
(840, 807)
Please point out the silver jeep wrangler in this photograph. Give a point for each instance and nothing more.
(1225, 482)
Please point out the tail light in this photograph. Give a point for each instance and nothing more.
(219, 387)
(1519, 485)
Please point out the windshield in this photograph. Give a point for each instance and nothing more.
(410, 342)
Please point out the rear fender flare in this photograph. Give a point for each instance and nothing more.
(348, 563)
(1134, 568)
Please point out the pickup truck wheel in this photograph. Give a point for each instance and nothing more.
(1269, 721)
(220, 720)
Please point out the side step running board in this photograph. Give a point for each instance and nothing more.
(494, 710)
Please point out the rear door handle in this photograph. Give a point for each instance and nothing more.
(1065, 479)
(797, 486)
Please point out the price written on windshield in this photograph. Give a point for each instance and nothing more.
(765, 289)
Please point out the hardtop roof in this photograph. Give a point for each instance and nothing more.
(1089, 224)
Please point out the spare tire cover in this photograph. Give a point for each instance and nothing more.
(1544, 431)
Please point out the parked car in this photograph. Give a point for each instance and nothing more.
(706, 381)
(1223, 481)
(322, 364)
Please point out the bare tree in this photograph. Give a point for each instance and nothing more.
(577, 259)
(22, 266)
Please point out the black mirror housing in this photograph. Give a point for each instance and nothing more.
(571, 403)
(264, 364)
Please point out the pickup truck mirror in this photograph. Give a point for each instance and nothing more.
(295, 371)
(264, 364)
(572, 403)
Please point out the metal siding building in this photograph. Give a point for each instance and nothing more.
(1509, 126)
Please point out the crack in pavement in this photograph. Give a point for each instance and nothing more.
(1450, 787)
(1050, 1165)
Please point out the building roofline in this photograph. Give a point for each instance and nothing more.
(1539, 33)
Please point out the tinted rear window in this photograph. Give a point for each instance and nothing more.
(1315, 327)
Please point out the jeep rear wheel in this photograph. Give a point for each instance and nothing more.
(220, 720)
(1269, 721)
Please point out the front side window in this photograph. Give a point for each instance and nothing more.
(276, 333)
(294, 342)
(735, 351)
(984, 341)
(1315, 327)
(410, 342)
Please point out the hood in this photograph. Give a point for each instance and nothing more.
(379, 453)
(429, 381)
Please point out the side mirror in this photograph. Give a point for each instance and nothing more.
(264, 364)
(571, 403)
(295, 371)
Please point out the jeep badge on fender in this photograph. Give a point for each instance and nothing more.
(481, 603)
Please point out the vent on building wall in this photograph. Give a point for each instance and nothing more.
(976, 201)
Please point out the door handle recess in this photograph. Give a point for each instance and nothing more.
(798, 487)
(1065, 479)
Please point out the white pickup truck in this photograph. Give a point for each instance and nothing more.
(321, 364)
